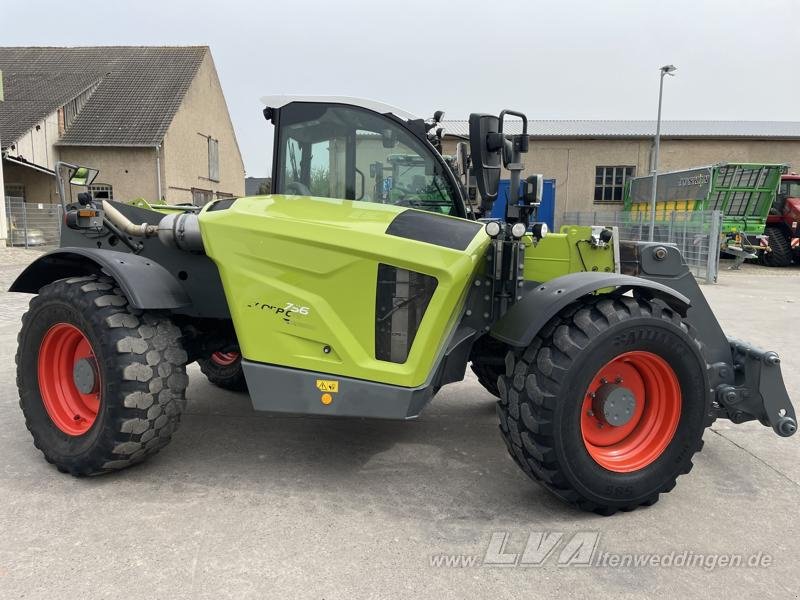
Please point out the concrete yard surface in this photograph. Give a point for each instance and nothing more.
(252, 505)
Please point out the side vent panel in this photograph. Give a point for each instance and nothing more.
(400, 303)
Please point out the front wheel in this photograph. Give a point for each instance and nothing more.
(608, 405)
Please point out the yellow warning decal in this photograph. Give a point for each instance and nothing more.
(328, 385)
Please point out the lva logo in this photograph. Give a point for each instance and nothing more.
(571, 550)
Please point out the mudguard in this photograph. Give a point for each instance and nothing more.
(145, 283)
(524, 319)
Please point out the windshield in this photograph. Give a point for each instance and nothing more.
(345, 152)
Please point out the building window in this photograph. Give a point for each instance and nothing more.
(609, 182)
(201, 197)
(15, 190)
(213, 159)
(101, 190)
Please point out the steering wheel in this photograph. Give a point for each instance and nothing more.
(296, 188)
(410, 201)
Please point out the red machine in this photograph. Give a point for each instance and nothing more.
(783, 224)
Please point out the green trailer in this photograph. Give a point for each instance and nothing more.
(743, 192)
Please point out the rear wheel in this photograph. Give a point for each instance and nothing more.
(101, 385)
(487, 362)
(608, 404)
(781, 245)
(224, 369)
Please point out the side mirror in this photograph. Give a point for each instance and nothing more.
(83, 176)
(462, 159)
(533, 189)
(486, 144)
(389, 138)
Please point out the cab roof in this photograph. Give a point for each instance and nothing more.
(373, 105)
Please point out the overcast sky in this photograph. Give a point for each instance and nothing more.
(571, 59)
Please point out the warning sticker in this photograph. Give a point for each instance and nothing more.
(328, 385)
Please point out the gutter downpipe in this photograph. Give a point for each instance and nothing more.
(158, 170)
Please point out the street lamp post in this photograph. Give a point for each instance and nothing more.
(665, 70)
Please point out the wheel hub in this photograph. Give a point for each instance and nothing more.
(69, 379)
(83, 376)
(224, 359)
(614, 403)
(631, 411)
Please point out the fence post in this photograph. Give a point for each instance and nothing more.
(671, 225)
(25, 222)
(712, 267)
(9, 217)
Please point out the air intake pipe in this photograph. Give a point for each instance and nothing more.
(126, 225)
(180, 230)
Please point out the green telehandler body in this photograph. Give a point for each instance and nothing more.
(352, 292)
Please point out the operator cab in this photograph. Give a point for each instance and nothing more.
(359, 150)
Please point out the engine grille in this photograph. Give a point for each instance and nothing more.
(400, 302)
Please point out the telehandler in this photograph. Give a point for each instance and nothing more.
(362, 300)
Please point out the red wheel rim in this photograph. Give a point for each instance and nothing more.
(654, 419)
(62, 348)
(224, 359)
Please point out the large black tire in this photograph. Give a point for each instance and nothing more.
(543, 391)
(137, 359)
(781, 245)
(224, 373)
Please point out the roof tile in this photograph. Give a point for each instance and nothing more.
(139, 90)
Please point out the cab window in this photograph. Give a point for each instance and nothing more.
(333, 151)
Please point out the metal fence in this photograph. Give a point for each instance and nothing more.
(32, 224)
(695, 233)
